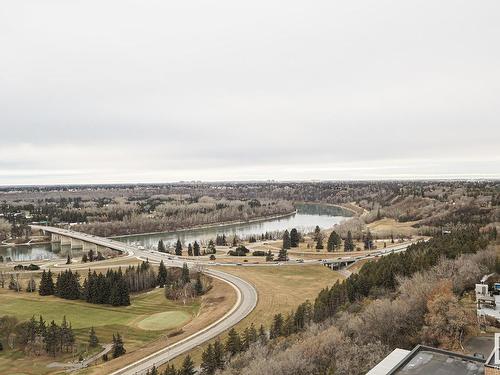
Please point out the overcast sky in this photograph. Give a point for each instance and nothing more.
(152, 91)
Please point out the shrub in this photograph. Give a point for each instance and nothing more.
(259, 253)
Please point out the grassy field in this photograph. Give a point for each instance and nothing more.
(149, 316)
(384, 227)
(280, 289)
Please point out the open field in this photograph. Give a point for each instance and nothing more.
(280, 289)
(147, 325)
(384, 227)
(214, 305)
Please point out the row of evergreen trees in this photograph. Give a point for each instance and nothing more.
(291, 239)
(36, 336)
(110, 288)
(383, 273)
(214, 357)
(380, 274)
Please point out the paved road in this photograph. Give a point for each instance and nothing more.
(246, 300)
(246, 293)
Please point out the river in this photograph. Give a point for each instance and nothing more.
(306, 219)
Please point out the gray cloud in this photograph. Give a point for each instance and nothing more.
(128, 91)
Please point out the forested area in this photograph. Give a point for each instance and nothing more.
(415, 293)
(126, 209)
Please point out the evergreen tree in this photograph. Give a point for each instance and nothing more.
(31, 287)
(233, 342)
(118, 348)
(198, 286)
(334, 241)
(269, 256)
(93, 340)
(161, 247)
(51, 339)
(253, 335)
(41, 327)
(286, 240)
(187, 367)
(66, 336)
(317, 231)
(283, 255)
(277, 326)
(262, 336)
(208, 361)
(14, 284)
(196, 249)
(162, 275)
(319, 241)
(170, 370)
(46, 284)
(294, 238)
(190, 250)
(368, 241)
(218, 355)
(68, 285)
(349, 243)
(211, 247)
(178, 247)
(185, 279)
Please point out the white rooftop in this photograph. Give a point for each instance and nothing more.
(389, 362)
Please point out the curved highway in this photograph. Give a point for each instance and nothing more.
(246, 293)
(245, 302)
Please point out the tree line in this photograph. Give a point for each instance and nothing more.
(110, 288)
(381, 274)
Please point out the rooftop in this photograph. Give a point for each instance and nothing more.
(425, 360)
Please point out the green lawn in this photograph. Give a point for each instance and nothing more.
(164, 320)
(149, 316)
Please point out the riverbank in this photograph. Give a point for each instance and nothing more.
(29, 243)
(346, 208)
(214, 225)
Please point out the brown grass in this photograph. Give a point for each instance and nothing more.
(280, 290)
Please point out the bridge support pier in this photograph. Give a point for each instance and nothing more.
(65, 240)
(76, 244)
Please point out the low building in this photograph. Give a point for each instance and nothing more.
(492, 366)
(425, 360)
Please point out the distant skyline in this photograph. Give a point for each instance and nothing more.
(136, 92)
